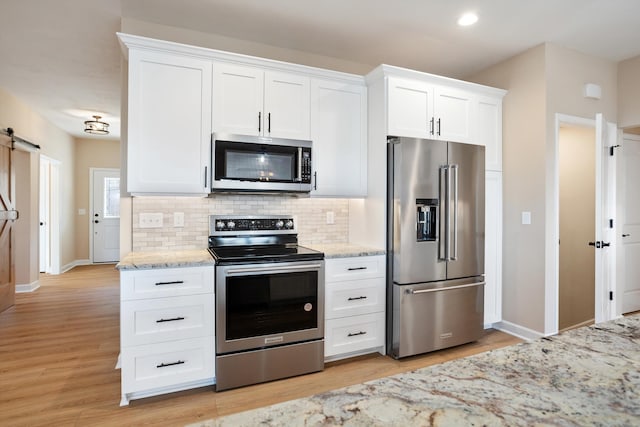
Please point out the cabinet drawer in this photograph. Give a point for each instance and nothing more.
(166, 319)
(166, 282)
(354, 333)
(340, 269)
(354, 297)
(167, 364)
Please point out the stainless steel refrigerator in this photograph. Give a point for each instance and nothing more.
(435, 249)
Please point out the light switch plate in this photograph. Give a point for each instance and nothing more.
(151, 220)
(526, 218)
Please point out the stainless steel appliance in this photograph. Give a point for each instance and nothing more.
(435, 210)
(243, 163)
(269, 300)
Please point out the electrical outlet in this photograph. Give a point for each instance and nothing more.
(331, 218)
(151, 220)
(178, 219)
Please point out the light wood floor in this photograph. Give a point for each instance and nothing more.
(59, 345)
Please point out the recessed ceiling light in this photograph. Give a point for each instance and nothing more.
(467, 19)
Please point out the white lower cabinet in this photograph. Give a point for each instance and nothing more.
(166, 330)
(354, 306)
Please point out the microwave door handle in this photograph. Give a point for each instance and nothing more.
(299, 175)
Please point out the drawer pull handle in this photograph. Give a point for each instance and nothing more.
(356, 298)
(356, 268)
(356, 334)
(177, 282)
(169, 320)
(164, 365)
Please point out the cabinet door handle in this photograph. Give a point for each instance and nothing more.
(439, 127)
(205, 177)
(315, 180)
(356, 298)
(356, 268)
(164, 365)
(355, 334)
(176, 282)
(269, 122)
(169, 320)
(259, 121)
(431, 126)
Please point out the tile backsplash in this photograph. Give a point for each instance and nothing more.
(311, 217)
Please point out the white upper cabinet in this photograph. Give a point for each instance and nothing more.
(420, 109)
(252, 101)
(339, 135)
(490, 131)
(169, 123)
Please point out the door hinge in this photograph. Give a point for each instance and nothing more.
(610, 295)
(613, 147)
(611, 223)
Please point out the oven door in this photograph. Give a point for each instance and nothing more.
(264, 305)
(253, 163)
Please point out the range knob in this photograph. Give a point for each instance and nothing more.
(231, 225)
(279, 224)
(220, 225)
(288, 224)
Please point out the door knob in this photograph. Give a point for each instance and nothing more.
(42, 223)
(626, 235)
(96, 221)
(96, 215)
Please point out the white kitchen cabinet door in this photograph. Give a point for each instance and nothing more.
(453, 115)
(286, 106)
(238, 94)
(251, 101)
(169, 123)
(489, 134)
(410, 108)
(339, 135)
(493, 248)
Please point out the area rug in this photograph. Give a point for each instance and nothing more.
(584, 377)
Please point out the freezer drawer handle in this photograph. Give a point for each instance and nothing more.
(424, 291)
(176, 282)
(356, 268)
(164, 365)
(170, 320)
(351, 334)
(356, 298)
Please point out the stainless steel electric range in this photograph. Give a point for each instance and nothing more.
(269, 300)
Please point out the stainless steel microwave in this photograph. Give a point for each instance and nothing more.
(260, 164)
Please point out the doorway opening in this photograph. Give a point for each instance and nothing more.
(576, 275)
(604, 207)
(49, 212)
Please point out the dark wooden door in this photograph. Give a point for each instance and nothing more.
(8, 216)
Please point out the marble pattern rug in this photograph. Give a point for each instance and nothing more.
(584, 377)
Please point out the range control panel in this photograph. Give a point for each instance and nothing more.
(219, 224)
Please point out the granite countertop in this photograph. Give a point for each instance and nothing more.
(345, 250)
(165, 259)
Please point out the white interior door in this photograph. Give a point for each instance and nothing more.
(105, 215)
(44, 212)
(605, 215)
(629, 161)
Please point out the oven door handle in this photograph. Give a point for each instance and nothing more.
(276, 269)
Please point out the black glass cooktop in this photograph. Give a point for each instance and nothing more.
(263, 253)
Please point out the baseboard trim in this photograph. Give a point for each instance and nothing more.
(73, 264)
(20, 289)
(518, 331)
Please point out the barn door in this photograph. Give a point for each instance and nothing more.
(8, 216)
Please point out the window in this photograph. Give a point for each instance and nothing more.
(111, 197)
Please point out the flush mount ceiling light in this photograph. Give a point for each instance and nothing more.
(96, 127)
(467, 19)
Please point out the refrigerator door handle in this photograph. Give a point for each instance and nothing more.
(454, 170)
(443, 241)
(449, 288)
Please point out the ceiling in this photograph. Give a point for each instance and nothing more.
(63, 60)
